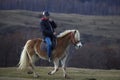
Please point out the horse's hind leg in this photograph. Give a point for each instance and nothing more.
(56, 65)
(34, 58)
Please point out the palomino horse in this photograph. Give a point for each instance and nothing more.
(32, 49)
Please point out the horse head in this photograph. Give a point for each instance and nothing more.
(75, 38)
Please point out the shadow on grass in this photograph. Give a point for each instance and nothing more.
(90, 79)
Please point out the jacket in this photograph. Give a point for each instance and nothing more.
(47, 27)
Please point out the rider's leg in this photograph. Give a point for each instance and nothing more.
(49, 46)
(53, 43)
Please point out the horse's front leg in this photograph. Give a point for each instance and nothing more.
(63, 62)
(56, 65)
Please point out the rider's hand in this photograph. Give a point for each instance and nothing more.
(54, 33)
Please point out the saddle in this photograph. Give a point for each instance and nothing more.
(43, 45)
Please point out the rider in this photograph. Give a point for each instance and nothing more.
(47, 28)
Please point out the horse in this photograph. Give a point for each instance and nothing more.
(31, 52)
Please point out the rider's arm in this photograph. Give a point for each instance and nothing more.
(53, 24)
(45, 30)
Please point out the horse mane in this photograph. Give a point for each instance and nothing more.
(64, 33)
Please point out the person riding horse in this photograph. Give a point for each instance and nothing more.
(47, 28)
(32, 52)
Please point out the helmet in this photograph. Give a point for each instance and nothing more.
(46, 13)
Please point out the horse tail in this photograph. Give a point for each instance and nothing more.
(24, 59)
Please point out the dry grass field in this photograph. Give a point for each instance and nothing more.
(12, 73)
(107, 26)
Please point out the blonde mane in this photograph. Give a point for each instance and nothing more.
(64, 33)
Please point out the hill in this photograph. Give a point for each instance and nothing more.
(74, 73)
(99, 35)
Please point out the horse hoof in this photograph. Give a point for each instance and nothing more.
(29, 72)
(49, 73)
(67, 77)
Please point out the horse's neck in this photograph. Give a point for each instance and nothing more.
(65, 40)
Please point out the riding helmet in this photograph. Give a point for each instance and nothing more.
(46, 13)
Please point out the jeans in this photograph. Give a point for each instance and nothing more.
(49, 46)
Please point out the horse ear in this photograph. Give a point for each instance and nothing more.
(75, 31)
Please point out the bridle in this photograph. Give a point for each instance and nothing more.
(73, 38)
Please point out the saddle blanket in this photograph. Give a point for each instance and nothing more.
(43, 46)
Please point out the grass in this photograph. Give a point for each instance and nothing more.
(74, 73)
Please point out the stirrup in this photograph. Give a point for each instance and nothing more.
(50, 59)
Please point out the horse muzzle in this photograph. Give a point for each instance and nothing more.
(79, 45)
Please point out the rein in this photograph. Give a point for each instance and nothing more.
(73, 38)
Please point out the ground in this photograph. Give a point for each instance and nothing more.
(12, 73)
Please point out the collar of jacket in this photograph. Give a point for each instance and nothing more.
(44, 18)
